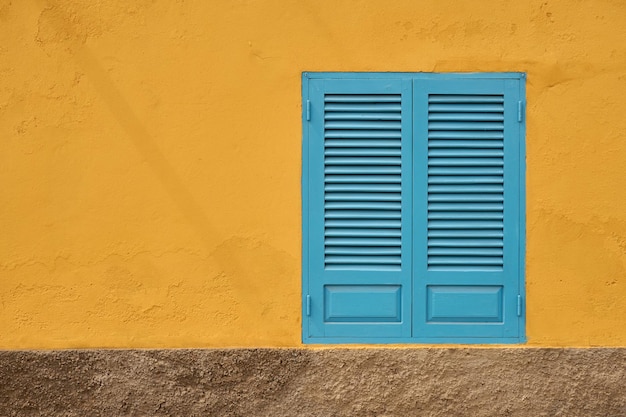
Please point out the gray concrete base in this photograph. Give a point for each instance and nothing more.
(295, 382)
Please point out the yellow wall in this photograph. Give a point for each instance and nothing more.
(150, 159)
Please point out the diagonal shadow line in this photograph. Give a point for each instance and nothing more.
(142, 140)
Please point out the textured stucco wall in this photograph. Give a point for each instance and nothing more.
(150, 159)
(308, 383)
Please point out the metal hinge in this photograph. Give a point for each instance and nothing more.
(520, 111)
(519, 305)
(308, 305)
(308, 109)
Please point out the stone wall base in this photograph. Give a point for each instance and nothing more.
(298, 382)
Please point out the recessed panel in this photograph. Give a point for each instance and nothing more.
(464, 303)
(362, 303)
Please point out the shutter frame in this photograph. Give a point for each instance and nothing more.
(512, 328)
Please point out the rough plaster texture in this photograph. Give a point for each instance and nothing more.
(296, 382)
(150, 159)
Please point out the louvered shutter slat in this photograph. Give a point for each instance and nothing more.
(356, 170)
(362, 241)
(465, 98)
(362, 214)
(363, 134)
(369, 100)
(455, 244)
(458, 134)
(361, 115)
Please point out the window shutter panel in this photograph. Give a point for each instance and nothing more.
(466, 202)
(358, 209)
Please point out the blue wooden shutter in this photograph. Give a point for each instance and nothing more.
(467, 216)
(357, 209)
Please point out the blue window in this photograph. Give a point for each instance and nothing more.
(413, 208)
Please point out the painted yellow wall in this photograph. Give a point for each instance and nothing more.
(150, 159)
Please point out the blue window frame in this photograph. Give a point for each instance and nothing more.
(413, 207)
